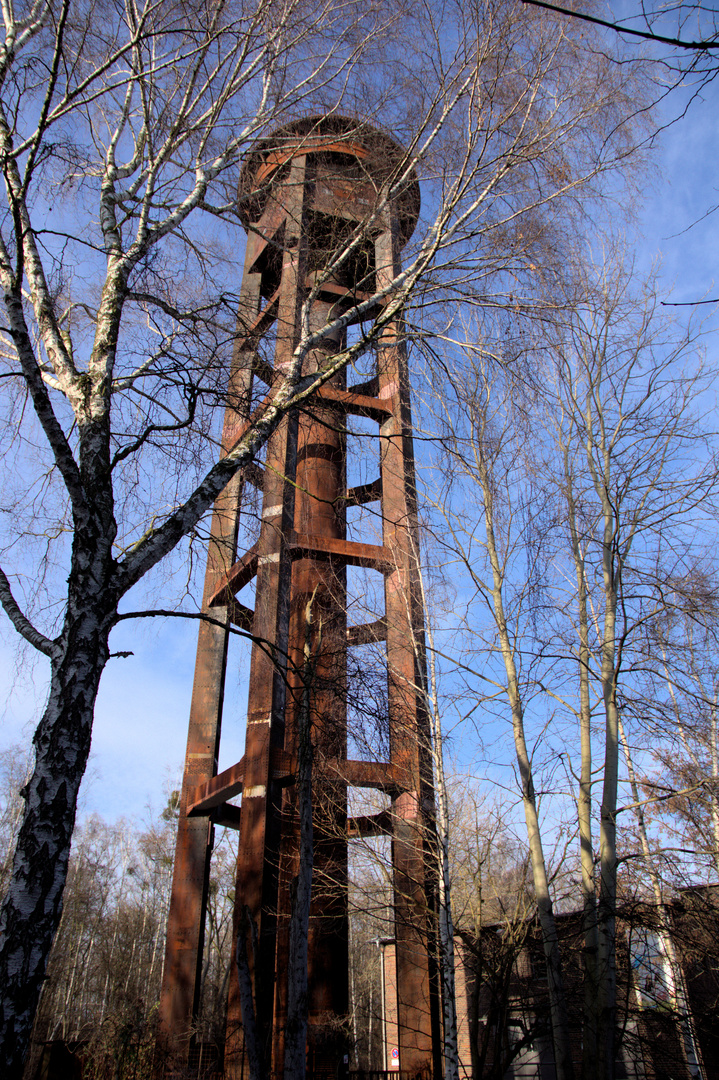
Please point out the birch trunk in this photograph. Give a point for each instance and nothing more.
(599, 448)
(606, 914)
(584, 801)
(446, 933)
(446, 921)
(712, 789)
(33, 905)
(557, 1000)
(353, 1001)
(713, 793)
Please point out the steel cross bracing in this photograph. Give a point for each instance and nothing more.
(313, 180)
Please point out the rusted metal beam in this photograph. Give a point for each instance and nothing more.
(368, 388)
(375, 408)
(180, 990)
(379, 409)
(341, 292)
(227, 815)
(240, 615)
(263, 369)
(379, 775)
(367, 633)
(265, 236)
(240, 574)
(230, 782)
(379, 824)
(217, 790)
(259, 880)
(410, 740)
(364, 493)
(348, 551)
(261, 323)
(254, 474)
(346, 298)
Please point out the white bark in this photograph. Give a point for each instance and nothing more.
(625, 406)
(150, 119)
(606, 916)
(550, 940)
(584, 799)
(446, 921)
(714, 794)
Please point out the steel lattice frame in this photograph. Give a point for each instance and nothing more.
(312, 180)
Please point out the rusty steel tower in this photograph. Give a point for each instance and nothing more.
(304, 192)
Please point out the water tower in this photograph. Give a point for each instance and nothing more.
(315, 188)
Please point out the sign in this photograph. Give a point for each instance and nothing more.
(394, 1058)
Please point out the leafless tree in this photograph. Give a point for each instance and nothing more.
(120, 132)
(105, 967)
(489, 459)
(627, 395)
(593, 483)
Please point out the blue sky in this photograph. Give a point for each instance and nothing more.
(142, 709)
(684, 187)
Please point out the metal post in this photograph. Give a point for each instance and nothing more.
(179, 1000)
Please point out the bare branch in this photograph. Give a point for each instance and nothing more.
(20, 621)
(646, 35)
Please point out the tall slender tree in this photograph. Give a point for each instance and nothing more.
(121, 127)
(578, 482)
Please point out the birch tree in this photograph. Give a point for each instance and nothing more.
(577, 482)
(120, 133)
(629, 435)
(678, 708)
(487, 459)
(430, 693)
